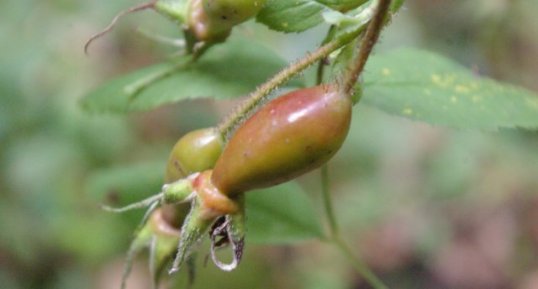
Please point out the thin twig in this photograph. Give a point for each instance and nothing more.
(132, 90)
(363, 269)
(325, 181)
(327, 201)
(138, 205)
(336, 239)
(140, 7)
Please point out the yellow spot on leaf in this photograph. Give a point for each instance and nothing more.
(474, 85)
(407, 111)
(462, 89)
(385, 71)
(453, 99)
(476, 98)
(443, 81)
(533, 102)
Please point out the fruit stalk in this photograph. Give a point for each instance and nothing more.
(366, 45)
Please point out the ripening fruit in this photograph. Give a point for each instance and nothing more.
(289, 136)
(194, 152)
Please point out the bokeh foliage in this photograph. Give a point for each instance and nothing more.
(415, 200)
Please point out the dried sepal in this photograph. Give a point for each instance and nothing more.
(231, 231)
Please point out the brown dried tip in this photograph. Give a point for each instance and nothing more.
(140, 7)
(221, 229)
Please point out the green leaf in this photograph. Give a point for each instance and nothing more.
(342, 5)
(300, 15)
(282, 214)
(226, 71)
(352, 20)
(427, 87)
(292, 16)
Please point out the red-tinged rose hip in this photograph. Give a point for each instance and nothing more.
(289, 136)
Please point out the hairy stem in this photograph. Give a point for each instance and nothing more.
(366, 45)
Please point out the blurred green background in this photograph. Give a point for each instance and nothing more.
(425, 207)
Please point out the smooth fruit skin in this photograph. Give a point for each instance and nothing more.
(289, 136)
(194, 152)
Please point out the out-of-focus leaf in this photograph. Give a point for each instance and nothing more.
(342, 5)
(230, 70)
(427, 87)
(126, 184)
(282, 214)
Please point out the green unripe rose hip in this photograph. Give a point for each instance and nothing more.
(213, 20)
(289, 136)
(194, 152)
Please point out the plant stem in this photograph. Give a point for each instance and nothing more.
(360, 266)
(366, 45)
(327, 202)
(133, 89)
(320, 73)
(336, 239)
(325, 181)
